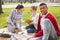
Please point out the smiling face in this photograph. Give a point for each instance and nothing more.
(43, 9)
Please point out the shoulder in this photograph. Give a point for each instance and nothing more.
(14, 11)
(50, 15)
(37, 14)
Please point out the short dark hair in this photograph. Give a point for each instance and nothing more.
(43, 4)
(34, 7)
(19, 6)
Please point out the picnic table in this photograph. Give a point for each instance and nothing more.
(23, 35)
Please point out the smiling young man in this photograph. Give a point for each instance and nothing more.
(47, 15)
(47, 27)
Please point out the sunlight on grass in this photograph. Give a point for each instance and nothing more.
(3, 17)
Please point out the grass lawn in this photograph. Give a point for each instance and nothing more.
(3, 17)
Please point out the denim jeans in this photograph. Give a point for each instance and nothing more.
(30, 28)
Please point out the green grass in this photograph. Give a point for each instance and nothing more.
(3, 17)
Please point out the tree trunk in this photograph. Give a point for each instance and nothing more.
(1, 7)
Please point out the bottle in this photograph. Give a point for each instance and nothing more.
(16, 30)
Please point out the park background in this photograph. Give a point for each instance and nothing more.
(6, 6)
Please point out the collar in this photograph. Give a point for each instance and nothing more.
(18, 12)
(44, 15)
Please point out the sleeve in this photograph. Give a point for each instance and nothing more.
(56, 27)
(10, 18)
(21, 20)
(35, 21)
(55, 24)
(40, 33)
(46, 29)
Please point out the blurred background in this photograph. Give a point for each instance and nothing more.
(31, 1)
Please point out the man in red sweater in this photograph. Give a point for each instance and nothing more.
(47, 27)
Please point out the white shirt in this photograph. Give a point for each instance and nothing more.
(35, 18)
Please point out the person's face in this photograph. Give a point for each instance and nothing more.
(32, 11)
(21, 10)
(43, 9)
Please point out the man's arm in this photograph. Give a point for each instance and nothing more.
(40, 33)
(46, 29)
(55, 24)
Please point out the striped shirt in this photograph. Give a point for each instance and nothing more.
(14, 17)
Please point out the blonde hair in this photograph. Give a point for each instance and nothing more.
(34, 7)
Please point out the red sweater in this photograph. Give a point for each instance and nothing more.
(53, 21)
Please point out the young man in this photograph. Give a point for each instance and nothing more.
(46, 14)
(47, 28)
(15, 15)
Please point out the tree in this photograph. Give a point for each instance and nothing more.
(1, 7)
